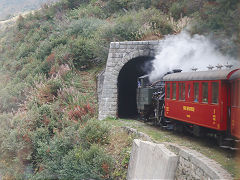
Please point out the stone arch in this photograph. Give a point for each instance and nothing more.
(131, 55)
(120, 53)
(127, 85)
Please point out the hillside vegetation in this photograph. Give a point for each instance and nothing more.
(48, 64)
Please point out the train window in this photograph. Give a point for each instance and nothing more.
(189, 91)
(205, 92)
(174, 89)
(181, 91)
(196, 91)
(168, 90)
(233, 93)
(215, 91)
(237, 89)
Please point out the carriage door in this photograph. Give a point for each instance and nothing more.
(235, 108)
(228, 103)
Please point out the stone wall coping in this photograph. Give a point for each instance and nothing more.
(209, 166)
(117, 44)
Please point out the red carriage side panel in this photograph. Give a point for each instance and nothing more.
(235, 122)
(198, 109)
(235, 105)
(207, 99)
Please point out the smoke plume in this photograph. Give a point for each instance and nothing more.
(184, 52)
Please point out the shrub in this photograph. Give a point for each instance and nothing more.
(161, 25)
(88, 11)
(50, 151)
(25, 50)
(94, 132)
(85, 27)
(20, 22)
(87, 164)
(49, 91)
(44, 49)
(127, 28)
(44, 68)
(177, 10)
(79, 113)
(82, 52)
(62, 54)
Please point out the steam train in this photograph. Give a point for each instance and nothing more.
(199, 102)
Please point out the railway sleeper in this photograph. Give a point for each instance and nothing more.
(228, 142)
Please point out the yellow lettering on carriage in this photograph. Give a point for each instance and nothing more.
(214, 119)
(189, 108)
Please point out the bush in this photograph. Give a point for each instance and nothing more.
(49, 91)
(20, 22)
(82, 52)
(177, 10)
(88, 12)
(44, 49)
(127, 28)
(85, 27)
(78, 163)
(25, 50)
(87, 164)
(122, 6)
(94, 132)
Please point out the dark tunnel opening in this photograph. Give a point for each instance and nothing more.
(127, 85)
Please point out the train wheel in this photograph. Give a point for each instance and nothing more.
(220, 140)
(178, 127)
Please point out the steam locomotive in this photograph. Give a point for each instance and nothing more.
(199, 102)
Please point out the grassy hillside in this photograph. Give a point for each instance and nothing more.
(48, 64)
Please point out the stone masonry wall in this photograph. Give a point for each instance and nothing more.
(193, 165)
(119, 54)
(100, 78)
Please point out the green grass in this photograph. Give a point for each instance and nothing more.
(208, 147)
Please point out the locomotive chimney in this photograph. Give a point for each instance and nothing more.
(219, 66)
(210, 67)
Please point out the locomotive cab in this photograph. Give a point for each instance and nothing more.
(144, 97)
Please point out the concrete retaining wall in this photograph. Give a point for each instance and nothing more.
(151, 161)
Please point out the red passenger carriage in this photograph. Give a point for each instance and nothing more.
(206, 101)
(235, 104)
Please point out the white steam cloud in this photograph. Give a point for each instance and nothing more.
(184, 52)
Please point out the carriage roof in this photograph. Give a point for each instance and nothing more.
(235, 75)
(201, 75)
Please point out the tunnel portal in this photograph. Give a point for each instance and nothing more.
(127, 85)
(129, 57)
